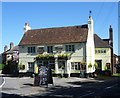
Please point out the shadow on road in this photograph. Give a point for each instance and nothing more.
(28, 84)
(81, 83)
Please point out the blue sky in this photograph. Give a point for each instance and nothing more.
(49, 14)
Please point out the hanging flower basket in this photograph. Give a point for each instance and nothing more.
(90, 65)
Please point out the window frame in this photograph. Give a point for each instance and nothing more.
(30, 65)
(31, 49)
(70, 48)
(49, 49)
(75, 65)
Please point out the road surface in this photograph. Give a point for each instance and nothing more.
(62, 88)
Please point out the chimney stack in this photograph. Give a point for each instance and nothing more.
(5, 48)
(11, 45)
(111, 44)
(26, 27)
(111, 36)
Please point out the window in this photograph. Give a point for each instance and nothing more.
(100, 51)
(31, 65)
(58, 49)
(75, 65)
(40, 62)
(31, 49)
(61, 64)
(40, 50)
(52, 64)
(104, 51)
(50, 49)
(70, 48)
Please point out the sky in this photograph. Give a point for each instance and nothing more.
(57, 14)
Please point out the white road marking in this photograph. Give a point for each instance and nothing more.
(2, 83)
(110, 86)
(86, 95)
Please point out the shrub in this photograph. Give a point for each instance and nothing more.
(21, 66)
(96, 65)
(2, 66)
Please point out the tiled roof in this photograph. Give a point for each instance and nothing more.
(15, 48)
(100, 43)
(59, 35)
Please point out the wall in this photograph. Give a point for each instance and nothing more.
(105, 57)
(77, 56)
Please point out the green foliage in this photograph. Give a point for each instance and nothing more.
(90, 65)
(105, 68)
(21, 66)
(65, 55)
(96, 65)
(117, 74)
(44, 56)
(2, 66)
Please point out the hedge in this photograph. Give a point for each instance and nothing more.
(1, 66)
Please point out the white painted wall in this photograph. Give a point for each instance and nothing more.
(78, 56)
(25, 57)
(105, 57)
(80, 53)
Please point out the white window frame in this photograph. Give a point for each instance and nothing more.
(75, 65)
(30, 65)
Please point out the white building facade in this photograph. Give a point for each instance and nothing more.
(72, 49)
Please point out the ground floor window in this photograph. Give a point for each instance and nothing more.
(52, 64)
(31, 66)
(61, 64)
(75, 65)
(108, 65)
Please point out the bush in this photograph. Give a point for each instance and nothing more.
(21, 66)
(2, 66)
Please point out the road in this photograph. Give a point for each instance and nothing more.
(2, 81)
(103, 89)
(62, 88)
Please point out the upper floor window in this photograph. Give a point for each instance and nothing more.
(70, 48)
(31, 49)
(40, 50)
(100, 51)
(50, 49)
